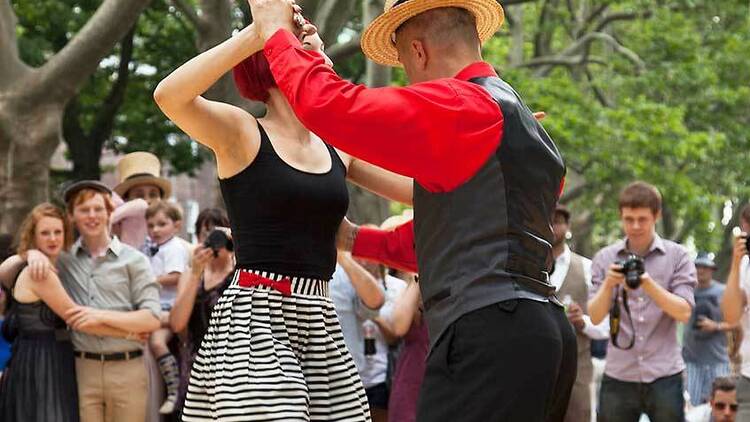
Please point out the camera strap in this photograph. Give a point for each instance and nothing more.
(614, 320)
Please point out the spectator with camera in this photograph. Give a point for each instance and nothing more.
(200, 288)
(645, 283)
(734, 307)
(705, 341)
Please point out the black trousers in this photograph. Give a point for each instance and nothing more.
(511, 361)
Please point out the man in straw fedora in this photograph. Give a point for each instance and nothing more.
(139, 175)
(140, 184)
(487, 178)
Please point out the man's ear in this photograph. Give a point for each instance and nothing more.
(420, 53)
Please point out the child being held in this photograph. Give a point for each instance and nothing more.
(169, 258)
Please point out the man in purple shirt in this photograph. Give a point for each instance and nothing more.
(646, 378)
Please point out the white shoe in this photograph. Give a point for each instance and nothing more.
(168, 407)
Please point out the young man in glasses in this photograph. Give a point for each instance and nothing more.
(723, 404)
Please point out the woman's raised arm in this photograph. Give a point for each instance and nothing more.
(229, 131)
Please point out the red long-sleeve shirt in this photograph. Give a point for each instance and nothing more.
(394, 248)
(439, 132)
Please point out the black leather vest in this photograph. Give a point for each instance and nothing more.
(489, 240)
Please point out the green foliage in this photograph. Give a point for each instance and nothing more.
(679, 123)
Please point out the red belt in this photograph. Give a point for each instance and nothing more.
(283, 286)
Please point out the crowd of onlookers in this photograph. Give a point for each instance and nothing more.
(114, 315)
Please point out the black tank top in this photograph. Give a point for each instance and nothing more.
(284, 220)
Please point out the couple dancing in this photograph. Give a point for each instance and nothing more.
(459, 143)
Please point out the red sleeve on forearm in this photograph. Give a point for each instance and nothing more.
(394, 248)
(439, 132)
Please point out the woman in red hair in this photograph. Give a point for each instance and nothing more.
(274, 350)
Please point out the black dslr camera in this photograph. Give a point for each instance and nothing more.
(216, 240)
(633, 268)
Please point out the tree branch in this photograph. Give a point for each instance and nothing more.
(591, 18)
(570, 57)
(105, 118)
(603, 100)
(569, 61)
(332, 15)
(621, 16)
(11, 66)
(345, 50)
(574, 193)
(188, 11)
(543, 36)
(67, 70)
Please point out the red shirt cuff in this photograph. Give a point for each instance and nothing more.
(369, 243)
(279, 42)
(394, 248)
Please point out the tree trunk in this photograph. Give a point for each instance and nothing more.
(32, 101)
(84, 151)
(516, 54)
(31, 135)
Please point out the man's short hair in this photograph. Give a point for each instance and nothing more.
(745, 213)
(84, 195)
(640, 195)
(445, 25)
(725, 384)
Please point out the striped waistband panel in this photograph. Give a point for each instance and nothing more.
(299, 285)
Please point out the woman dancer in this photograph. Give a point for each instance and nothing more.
(39, 384)
(274, 349)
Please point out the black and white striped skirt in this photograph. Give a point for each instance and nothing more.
(268, 356)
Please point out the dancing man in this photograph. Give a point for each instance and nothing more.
(487, 178)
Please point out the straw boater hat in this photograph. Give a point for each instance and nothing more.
(139, 168)
(377, 40)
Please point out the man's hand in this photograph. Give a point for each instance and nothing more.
(82, 317)
(39, 265)
(740, 248)
(614, 276)
(575, 316)
(707, 325)
(540, 115)
(346, 234)
(271, 15)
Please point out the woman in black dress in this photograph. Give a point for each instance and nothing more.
(199, 290)
(39, 384)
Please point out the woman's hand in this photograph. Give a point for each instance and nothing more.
(201, 257)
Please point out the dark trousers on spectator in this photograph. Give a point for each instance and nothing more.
(662, 400)
(511, 361)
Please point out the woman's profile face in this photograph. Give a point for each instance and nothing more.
(315, 43)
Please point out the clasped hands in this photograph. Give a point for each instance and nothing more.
(271, 15)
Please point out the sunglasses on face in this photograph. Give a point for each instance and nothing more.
(722, 406)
